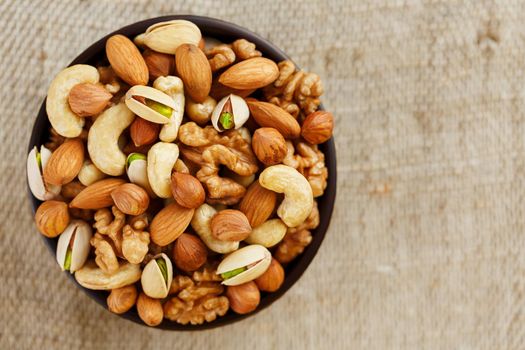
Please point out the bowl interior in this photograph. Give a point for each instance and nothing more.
(226, 32)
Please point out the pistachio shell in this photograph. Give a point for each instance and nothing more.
(80, 247)
(243, 258)
(144, 111)
(35, 179)
(138, 174)
(240, 112)
(166, 36)
(153, 283)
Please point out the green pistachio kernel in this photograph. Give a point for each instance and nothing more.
(226, 120)
(67, 262)
(159, 108)
(39, 159)
(229, 274)
(135, 156)
(163, 268)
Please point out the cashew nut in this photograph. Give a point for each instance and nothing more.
(298, 198)
(201, 224)
(268, 233)
(103, 139)
(90, 276)
(173, 87)
(61, 117)
(89, 173)
(161, 160)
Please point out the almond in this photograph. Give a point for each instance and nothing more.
(218, 91)
(187, 190)
(65, 163)
(269, 115)
(230, 225)
(126, 60)
(269, 146)
(52, 218)
(258, 204)
(88, 99)
(169, 224)
(150, 310)
(194, 70)
(318, 127)
(130, 199)
(97, 195)
(143, 132)
(159, 64)
(189, 252)
(252, 73)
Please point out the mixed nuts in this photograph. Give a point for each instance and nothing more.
(183, 176)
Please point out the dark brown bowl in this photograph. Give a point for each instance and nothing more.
(226, 32)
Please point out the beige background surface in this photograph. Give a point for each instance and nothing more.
(426, 249)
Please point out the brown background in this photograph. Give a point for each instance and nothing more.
(426, 247)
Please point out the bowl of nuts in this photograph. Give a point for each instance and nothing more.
(182, 172)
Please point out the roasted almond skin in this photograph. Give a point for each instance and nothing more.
(131, 199)
(194, 70)
(122, 299)
(187, 190)
(159, 64)
(189, 252)
(88, 99)
(96, 195)
(126, 60)
(258, 204)
(230, 225)
(169, 224)
(269, 146)
(250, 74)
(150, 310)
(65, 163)
(269, 115)
(52, 218)
(143, 132)
(318, 127)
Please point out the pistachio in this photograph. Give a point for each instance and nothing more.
(36, 162)
(244, 265)
(167, 36)
(150, 104)
(231, 112)
(136, 168)
(157, 276)
(73, 246)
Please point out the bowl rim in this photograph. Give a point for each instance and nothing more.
(209, 27)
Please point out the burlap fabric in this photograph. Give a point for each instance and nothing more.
(426, 249)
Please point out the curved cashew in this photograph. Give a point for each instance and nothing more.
(103, 139)
(89, 173)
(173, 87)
(201, 224)
(298, 198)
(161, 160)
(61, 117)
(268, 233)
(90, 276)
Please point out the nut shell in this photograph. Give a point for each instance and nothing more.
(258, 204)
(244, 257)
(122, 299)
(318, 127)
(77, 236)
(87, 99)
(189, 252)
(152, 280)
(65, 163)
(194, 70)
(150, 310)
(187, 190)
(52, 218)
(243, 298)
(230, 225)
(272, 279)
(35, 180)
(130, 199)
(126, 60)
(269, 146)
(170, 223)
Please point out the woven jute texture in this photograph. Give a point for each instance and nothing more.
(426, 249)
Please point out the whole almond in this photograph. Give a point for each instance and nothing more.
(150, 310)
(143, 132)
(187, 190)
(194, 70)
(318, 127)
(159, 64)
(88, 99)
(131, 199)
(189, 252)
(258, 204)
(230, 225)
(272, 278)
(65, 163)
(218, 91)
(269, 115)
(169, 224)
(96, 195)
(126, 60)
(249, 74)
(52, 218)
(269, 146)
(122, 299)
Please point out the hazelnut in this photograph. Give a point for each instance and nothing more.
(52, 218)
(189, 252)
(318, 127)
(269, 146)
(272, 279)
(143, 132)
(150, 310)
(230, 225)
(187, 190)
(130, 199)
(122, 299)
(243, 298)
